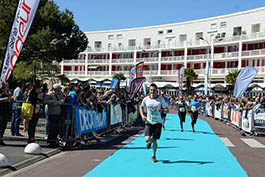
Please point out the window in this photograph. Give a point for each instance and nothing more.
(237, 31)
(255, 28)
(111, 36)
(198, 36)
(223, 24)
(109, 46)
(170, 31)
(160, 33)
(147, 41)
(119, 36)
(182, 37)
(213, 26)
(98, 44)
(132, 43)
(120, 45)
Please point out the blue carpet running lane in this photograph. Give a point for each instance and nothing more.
(183, 154)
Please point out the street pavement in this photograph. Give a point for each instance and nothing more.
(215, 149)
(185, 154)
(14, 151)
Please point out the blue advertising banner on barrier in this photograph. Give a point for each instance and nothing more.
(89, 120)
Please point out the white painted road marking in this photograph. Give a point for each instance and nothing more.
(227, 142)
(252, 143)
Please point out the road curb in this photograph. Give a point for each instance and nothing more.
(27, 162)
(31, 161)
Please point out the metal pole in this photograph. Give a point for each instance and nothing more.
(207, 63)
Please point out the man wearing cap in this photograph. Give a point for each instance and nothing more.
(53, 99)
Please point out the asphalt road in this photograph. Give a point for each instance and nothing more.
(244, 156)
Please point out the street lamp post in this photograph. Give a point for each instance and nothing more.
(207, 66)
(90, 69)
(152, 64)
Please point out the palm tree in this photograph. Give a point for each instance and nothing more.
(231, 78)
(189, 76)
(120, 77)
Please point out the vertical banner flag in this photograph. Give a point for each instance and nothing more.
(135, 86)
(144, 89)
(140, 69)
(132, 74)
(206, 78)
(114, 83)
(181, 78)
(243, 80)
(25, 13)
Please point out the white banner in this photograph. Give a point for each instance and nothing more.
(115, 114)
(181, 78)
(217, 112)
(22, 21)
(247, 124)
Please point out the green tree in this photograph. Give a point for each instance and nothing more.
(231, 78)
(120, 77)
(189, 76)
(53, 34)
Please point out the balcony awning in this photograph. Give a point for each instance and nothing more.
(262, 85)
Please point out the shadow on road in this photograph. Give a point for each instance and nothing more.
(184, 161)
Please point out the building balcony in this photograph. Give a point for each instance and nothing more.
(173, 58)
(122, 61)
(148, 60)
(74, 61)
(253, 52)
(169, 72)
(98, 61)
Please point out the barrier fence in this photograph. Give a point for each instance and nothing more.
(85, 124)
(249, 120)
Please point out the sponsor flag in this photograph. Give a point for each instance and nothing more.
(140, 69)
(22, 21)
(243, 80)
(181, 78)
(132, 74)
(144, 88)
(135, 86)
(114, 83)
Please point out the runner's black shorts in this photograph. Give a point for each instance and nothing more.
(153, 130)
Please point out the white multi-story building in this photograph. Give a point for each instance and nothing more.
(230, 42)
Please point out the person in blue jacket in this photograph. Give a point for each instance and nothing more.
(195, 107)
(72, 100)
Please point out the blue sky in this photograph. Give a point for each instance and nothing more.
(95, 15)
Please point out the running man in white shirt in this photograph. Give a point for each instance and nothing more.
(153, 120)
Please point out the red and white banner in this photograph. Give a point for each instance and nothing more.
(235, 116)
(25, 13)
(140, 69)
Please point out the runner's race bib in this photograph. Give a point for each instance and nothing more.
(193, 108)
(182, 109)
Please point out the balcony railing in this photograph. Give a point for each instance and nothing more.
(173, 58)
(198, 57)
(123, 72)
(74, 73)
(105, 61)
(151, 72)
(98, 73)
(148, 60)
(176, 44)
(253, 52)
(169, 72)
(74, 61)
(124, 60)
